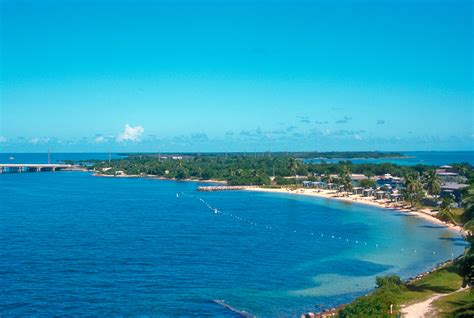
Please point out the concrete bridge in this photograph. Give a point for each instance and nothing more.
(31, 167)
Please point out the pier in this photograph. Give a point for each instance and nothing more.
(220, 188)
(32, 167)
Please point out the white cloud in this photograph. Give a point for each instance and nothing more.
(3, 139)
(130, 133)
(36, 141)
(100, 139)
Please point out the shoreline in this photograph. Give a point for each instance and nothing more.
(154, 177)
(425, 213)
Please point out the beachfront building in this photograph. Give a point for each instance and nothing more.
(357, 190)
(307, 184)
(358, 177)
(368, 192)
(395, 197)
(379, 195)
(312, 184)
(453, 189)
(388, 181)
(449, 174)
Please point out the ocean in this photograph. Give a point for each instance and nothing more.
(435, 158)
(76, 245)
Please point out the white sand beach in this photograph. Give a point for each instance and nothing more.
(424, 213)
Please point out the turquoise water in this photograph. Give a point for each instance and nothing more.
(436, 158)
(73, 244)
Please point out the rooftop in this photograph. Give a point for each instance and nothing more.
(453, 186)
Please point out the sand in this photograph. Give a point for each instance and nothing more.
(424, 308)
(425, 214)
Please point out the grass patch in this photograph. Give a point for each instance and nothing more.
(458, 215)
(442, 281)
(457, 305)
(377, 303)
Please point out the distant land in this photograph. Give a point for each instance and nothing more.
(297, 154)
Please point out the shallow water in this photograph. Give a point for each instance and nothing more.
(73, 244)
(435, 158)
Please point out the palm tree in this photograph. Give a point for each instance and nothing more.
(327, 178)
(432, 183)
(293, 166)
(446, 212)
(413, 189)
(344, 179)
(468, 215)
(466, 264)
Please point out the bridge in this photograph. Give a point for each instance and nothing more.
(32, 167)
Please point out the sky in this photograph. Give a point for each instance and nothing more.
(228, 75)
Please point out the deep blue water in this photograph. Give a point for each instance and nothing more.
(418, 157)
(73, 244)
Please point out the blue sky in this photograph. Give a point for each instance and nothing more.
(236, 75)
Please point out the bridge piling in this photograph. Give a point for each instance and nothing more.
(31, 167)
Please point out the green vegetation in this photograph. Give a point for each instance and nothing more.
(235, 170)
(377, 304)
(422, 184)
(344, 178)
(246, 170)
(413, 188)
(456, 305)
(468, 216)
(367, 183)
(391, 291)
(446, 212)
(432, 182)
(466, 264)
